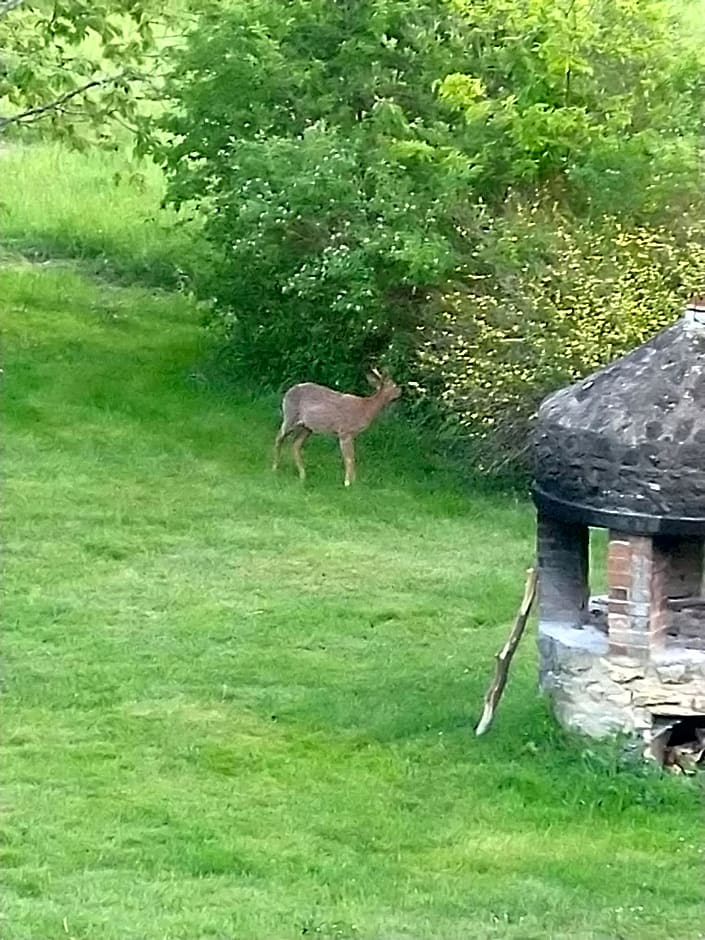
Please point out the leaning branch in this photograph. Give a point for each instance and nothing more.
(34, 114)
(504, 657)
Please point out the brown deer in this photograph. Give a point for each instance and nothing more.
(314, 409)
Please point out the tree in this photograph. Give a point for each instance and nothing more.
(600, 99)
(321, 157)
(76, 67)
(346, 155)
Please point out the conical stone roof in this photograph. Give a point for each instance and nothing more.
(625, 447)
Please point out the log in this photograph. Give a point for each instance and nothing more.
(504, 656)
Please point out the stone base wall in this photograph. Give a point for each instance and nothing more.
(599, 694)
(687, 623)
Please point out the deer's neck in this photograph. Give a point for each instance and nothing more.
(375, 403)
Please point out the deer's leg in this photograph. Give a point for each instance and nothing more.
(302, 435)
(282, 433)
(347, 448)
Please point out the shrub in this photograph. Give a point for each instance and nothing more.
(557, 300)
(314, 143)
(359, 165)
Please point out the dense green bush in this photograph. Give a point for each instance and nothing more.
(358, 164)
(315, 142)
(570, 297)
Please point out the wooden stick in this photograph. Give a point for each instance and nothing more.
(504, 657)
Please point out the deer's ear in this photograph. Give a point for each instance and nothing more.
(374, 378)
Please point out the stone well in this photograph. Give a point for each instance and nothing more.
(624, 450)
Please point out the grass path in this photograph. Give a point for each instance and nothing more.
(239, 710)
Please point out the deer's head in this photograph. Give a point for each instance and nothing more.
(383, 385)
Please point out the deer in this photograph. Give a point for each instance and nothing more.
(309, 409)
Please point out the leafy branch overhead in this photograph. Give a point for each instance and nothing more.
(76, 67)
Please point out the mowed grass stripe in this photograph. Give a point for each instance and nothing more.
(239, 708)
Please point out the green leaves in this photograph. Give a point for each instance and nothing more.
(558, 300)
(461, 91)
(359, 163)
(74, 68)
(321, 154)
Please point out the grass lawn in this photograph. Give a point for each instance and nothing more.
(239, 709)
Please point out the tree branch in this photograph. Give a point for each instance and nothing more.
(504, 657)
(34, 114)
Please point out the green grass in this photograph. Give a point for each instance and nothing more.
(239, 709)
(101, 209)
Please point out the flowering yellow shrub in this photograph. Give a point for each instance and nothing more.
(543, 303)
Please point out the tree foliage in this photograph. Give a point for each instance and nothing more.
(320, 152)
(599, 100)
(75, 68)
(571, 297)
(346, 154)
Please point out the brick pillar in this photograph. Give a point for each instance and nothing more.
(661, 586)
(563, 560)
(637, 570)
